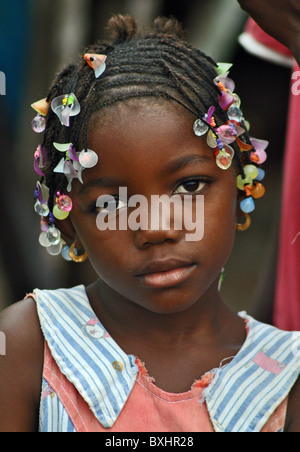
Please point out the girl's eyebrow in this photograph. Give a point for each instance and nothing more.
(183, 161)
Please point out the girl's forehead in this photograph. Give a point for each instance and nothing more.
(141, 126)
(143, 119)
(150, 106)
(154, 137)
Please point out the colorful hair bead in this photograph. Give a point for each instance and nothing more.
(64, 107)
(226, 100)
(200, 128)
(69, 164)
(258, 190)
(227, 133)
(39, 122)
(41, 200)
(226, 86)
(251, 171)
(41, 208)
(41, 107)
(235, 114)
(40, 160)
(64, 202)
(66, 253)
(88, 158)
(212, 139)
(261, 174)
(60, 214)
(242, 182)
(96, 62)
(247, 205)
(259, 157)
(244, 146)
(53, 235)
(224, 157)
(63, 207)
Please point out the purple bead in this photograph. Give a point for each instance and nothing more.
(220, 145)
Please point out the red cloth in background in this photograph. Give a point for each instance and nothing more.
(263, 38)
(287, 296)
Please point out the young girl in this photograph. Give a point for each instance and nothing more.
(150, 346)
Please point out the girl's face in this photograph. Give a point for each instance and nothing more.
(152, 150)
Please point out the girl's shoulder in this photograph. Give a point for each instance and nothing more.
(21, 365)
(20, 326)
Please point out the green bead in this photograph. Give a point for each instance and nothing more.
(242, 182)
(251, 171)
(71, 100)
(60, 214)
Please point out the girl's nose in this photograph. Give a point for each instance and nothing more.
(163, 225)
(145, 238)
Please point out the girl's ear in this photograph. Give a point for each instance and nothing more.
(67, 230)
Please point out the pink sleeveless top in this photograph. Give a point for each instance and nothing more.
(148, 408)
(91, 385)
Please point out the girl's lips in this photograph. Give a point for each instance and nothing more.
(167, 278)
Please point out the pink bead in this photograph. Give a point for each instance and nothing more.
(226, 134)
(38, 124)
(261, 155)
(64, 203)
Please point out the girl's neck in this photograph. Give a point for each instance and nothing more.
(177, 348)
(206, 320)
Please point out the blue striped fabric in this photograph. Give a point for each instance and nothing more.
(87, 363)
(241, 397)
(53, 416)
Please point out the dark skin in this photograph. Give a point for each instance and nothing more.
(180, 330)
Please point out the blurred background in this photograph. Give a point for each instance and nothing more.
(37, 39)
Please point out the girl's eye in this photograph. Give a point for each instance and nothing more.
(192, 186)
(110, 204)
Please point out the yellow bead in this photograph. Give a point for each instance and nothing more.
(60, 214)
